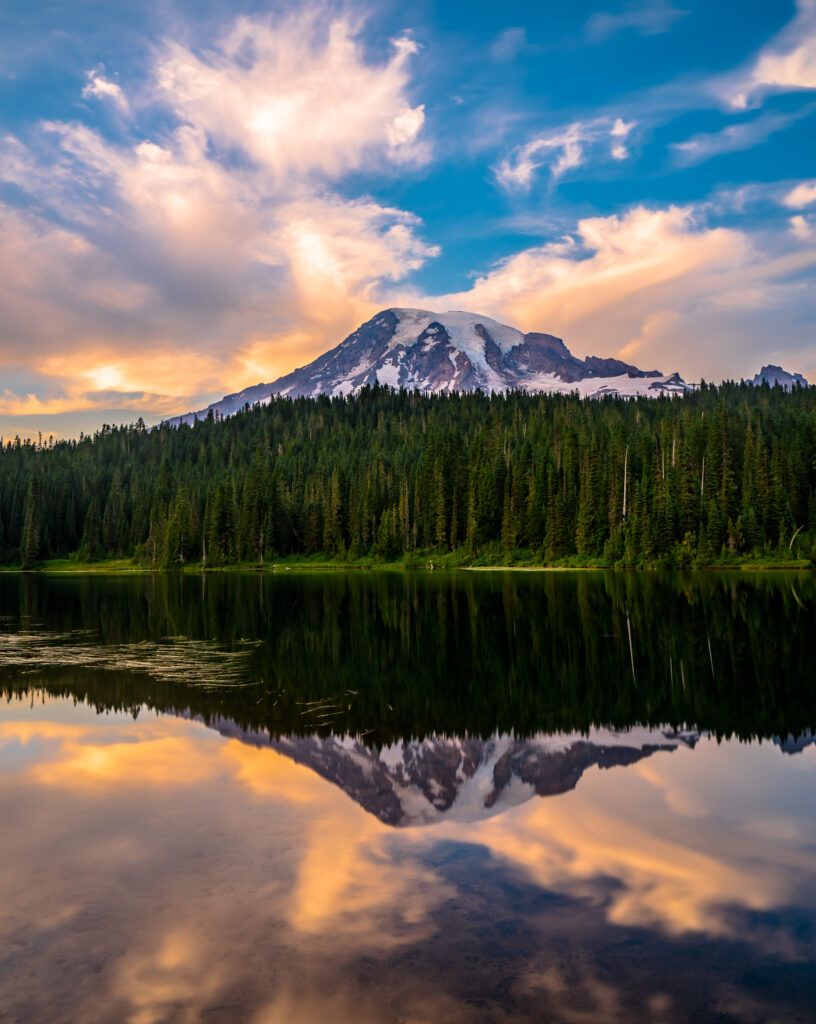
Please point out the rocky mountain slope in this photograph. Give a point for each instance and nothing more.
(454, 351)
(444, 778)
(772, 374)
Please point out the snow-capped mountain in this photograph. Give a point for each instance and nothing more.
(466, 779)
(455, 351)
(771, 374)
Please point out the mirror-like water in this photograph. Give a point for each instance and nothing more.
(470, 797)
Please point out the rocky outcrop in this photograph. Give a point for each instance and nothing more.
(445, 352)
(772, 375)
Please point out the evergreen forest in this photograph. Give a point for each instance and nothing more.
(722, 474)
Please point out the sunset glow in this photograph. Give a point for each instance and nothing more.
(191, 218)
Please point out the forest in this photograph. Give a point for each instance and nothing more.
(720, 475)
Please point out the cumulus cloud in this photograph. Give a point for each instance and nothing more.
(296, 96)
(216, 248)
(654, 286)
(786, 64)
(562, 150)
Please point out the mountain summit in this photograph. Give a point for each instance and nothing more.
(454, 351)
(772, 375)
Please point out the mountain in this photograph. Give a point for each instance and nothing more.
(771, 374)
(455, 351)
(463, 779)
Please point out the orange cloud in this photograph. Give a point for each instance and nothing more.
(635, 284)
(183, 270)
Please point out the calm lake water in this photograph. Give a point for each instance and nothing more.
(421, 798)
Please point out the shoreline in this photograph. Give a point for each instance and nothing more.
(121, 567)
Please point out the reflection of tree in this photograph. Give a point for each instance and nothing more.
(405, 655)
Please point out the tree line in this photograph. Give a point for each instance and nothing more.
(726, 472)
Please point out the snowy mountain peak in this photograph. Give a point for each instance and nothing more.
(452, 351)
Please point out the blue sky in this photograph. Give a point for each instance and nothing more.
(195, 197)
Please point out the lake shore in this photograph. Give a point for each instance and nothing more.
(123, 566)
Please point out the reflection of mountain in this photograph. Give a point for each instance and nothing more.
(791, 744)
(410, 655)
(441, 778)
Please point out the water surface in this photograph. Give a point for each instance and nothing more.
(464, 797)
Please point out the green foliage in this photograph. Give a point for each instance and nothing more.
(720, 475)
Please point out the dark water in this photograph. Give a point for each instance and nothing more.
(421, 798)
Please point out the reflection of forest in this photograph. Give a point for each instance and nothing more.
(405, 655)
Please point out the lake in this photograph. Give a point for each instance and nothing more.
(414, 797)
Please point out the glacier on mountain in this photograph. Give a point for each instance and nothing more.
(440, 353)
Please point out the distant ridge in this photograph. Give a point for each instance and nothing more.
(772, 375)
(445, 352)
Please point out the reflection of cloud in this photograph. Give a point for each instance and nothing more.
(154, 980)
(669, 846)
(151, 762)
(679, 839)
(343, 873)
(231, 882)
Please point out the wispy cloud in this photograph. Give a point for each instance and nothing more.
(509, 44)
(563, 150)
(297, 96)
(732, 138)
(646, 18)
(786, 64)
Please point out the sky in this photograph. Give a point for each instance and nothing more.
(197, 196)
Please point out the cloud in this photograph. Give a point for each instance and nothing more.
(220, 244)
(620, 129)
(656, 286)
(683, 853)
(648, 19)
(103, 88)
(296, 96)
(786, 64)
(802, 195)
(509, 44)
(730, 139)
(562, 150)
(804, 228)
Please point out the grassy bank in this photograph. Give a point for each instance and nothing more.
(416, 560)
